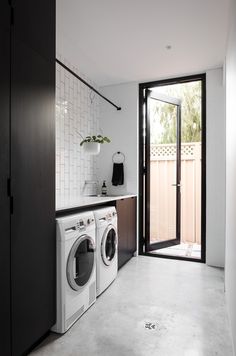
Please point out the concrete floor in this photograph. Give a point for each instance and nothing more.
(183, 301)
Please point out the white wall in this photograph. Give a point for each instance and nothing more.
(230, 258)
(75, 112)
(121, 127)
(215, 171)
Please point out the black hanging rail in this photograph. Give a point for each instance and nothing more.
(88, 85)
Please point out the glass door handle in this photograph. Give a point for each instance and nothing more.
(176, 185)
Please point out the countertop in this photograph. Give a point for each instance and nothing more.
(86, 201)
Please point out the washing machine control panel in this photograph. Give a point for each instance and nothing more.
(83, 223)
(109, 216)
(79, 224)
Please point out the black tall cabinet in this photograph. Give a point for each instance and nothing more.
(5, 337)
(27, 173)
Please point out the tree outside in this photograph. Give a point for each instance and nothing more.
(163, 115)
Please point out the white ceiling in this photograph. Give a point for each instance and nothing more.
(116, 41)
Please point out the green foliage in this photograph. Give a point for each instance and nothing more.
(163, 116)
(95, 138)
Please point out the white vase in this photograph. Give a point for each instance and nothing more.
(92, 148)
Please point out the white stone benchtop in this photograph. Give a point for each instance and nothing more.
(85, 201)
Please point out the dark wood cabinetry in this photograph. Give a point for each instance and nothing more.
(33, 221)
(34, 25)
(27, 177)
(4, 175)
(126, 213)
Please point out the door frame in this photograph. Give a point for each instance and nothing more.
(143, 111)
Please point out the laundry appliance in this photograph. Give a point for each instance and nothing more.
(107, 241)
(76, 268)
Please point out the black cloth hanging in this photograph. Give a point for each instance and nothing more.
(118, 174)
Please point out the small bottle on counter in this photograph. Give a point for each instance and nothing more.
(104, 188)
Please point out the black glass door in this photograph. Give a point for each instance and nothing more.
(80, 262)
(162, 122)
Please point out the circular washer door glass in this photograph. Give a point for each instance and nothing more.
(80, 262)
(109, 245)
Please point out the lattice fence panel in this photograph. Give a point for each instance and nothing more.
(168, 151)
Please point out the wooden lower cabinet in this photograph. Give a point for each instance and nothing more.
(126, 214)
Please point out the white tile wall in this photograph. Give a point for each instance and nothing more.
(77, 111)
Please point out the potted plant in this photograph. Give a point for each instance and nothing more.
(91, 144)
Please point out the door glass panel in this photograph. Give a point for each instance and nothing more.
(163, 151)
(110, 245)
(83, 262)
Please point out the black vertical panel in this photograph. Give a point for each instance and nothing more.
(33, 172)
(33, 187)
(122, 221)
(132, 243)
(147, 169)
(4, 175)
(142, 162)
(4, 18)
(203, 176)
(178, 175)
(126, 221)
(34, 25)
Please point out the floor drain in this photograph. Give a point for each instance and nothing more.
(150, 325)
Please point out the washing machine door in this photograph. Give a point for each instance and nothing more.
(81, 261)
(109, 245)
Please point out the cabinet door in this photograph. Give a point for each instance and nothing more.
(34, 25)
(5, 22)
(122, 211)
(126, 214)
(4, 175)
(33, 241)
(132, 244)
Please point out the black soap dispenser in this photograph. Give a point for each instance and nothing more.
(104, 188)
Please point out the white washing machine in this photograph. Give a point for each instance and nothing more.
(76, 268)
(107, 241)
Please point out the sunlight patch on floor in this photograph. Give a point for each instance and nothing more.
(181, 250)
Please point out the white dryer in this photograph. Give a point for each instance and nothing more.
(107, 241)
(76, 268)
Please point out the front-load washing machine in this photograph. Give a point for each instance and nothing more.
(76, 268)
(107, 241)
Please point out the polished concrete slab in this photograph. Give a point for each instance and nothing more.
(155, 307)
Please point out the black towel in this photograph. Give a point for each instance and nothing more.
(118, 174)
